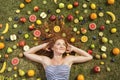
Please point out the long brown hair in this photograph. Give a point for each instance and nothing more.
(51, 36)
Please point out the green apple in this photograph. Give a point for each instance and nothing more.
(61, 5)
(21, 72)
(92, 46)
(9, 50)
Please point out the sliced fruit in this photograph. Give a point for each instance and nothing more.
(37, 33)
(92, 26)
(32, 18)
(57, 28)
(84, 38)
(15, 61)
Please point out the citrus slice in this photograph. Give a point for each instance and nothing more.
(92, 26)
(37, 33)
(57, 28)
(84, 38)
(32, 18)
(15, 61)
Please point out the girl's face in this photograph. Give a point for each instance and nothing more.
(59, 46)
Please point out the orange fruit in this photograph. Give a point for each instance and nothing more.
(31, 73)
(80, 77)
(115, 51)
(28, 1)
(93, 16)
(2, 45)
(111, 1)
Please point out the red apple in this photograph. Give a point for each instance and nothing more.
(52, 18)
(23, 19)
(22, 43)
(102, 28)
(36, 8)
(96, 69)
(76, 4)
(90, 51)
(31, 27)
(70, 17)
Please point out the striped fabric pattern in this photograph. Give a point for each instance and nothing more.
(57, 72)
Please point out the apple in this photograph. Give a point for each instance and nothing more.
(83, 30)
(90, 51)
(76, 4)
(102, 28)
(36, 8)
(52, 18)
(70, 17)
(9, 50)
(23, 19)
(31, 27)
(96, 69)
(92, 46)
(61, 5)
(22, 43)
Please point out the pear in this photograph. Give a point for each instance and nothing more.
(9, 50)
(21, 72)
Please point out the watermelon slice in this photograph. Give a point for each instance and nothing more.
(15, 61)
(37, 33)
(32, 18)
(92, 26)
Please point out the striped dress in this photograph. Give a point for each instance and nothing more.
(57, 72)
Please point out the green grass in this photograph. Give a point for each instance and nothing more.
(8, 8)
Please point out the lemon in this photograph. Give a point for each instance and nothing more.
(38, 22)
(72, 39)
(70, 6)
(93, 6)
(22, 5)
(84, 38)
(113, 30)
(57, 28)
(31, 73)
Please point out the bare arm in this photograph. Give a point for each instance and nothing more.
(84, 56)
(30, 54)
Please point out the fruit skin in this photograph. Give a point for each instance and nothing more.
(3, 67)
(112, 16)
(96, 69)
(6, 29)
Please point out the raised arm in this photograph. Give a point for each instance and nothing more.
(84, 56)
(30, 54)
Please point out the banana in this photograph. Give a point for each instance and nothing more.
(3, 67)
(6, 28)
(112, 16)
(55, 1)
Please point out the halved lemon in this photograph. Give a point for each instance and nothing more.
(57, 28)
(84, 39)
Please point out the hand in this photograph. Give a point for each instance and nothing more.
(45, 46)
(69, 48)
